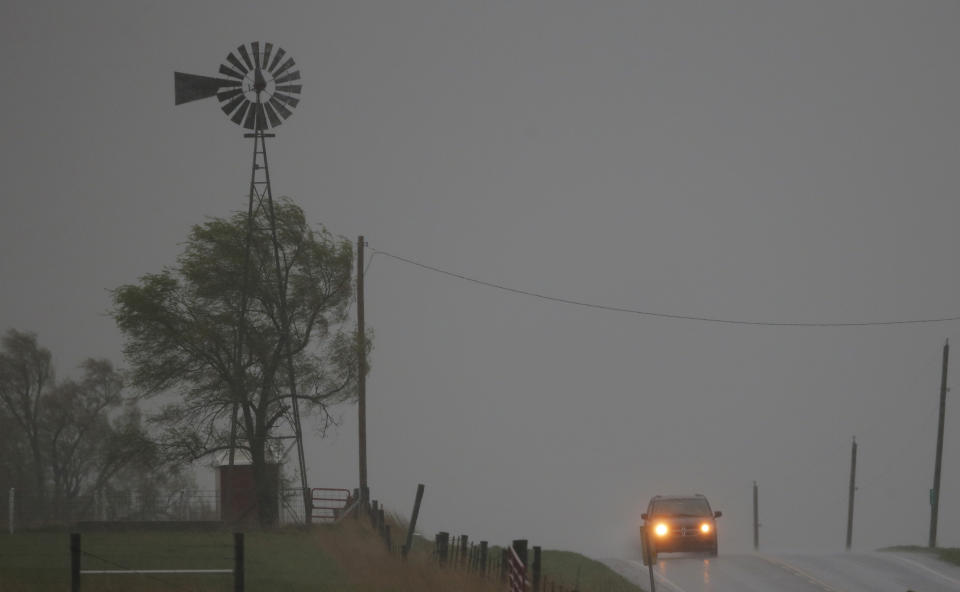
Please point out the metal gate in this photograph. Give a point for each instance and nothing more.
(327, 504)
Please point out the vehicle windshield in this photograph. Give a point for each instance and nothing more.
(681, 507)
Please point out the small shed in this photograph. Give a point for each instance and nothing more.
(237, 494)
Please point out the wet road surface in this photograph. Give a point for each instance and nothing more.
(795, 572)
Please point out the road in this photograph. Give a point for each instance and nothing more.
(795, 572)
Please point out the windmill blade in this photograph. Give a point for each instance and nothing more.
(272, 115)
(246, 56)
(191, 87)
(238, 116)
(277, 58)
(226, 95)
(286, 66)
(230, 72)
(266, 55)
(287, 99)
(255, 118)
(280, 107)
(232, 104)
(291, 88)
(255, 46)
(261, 120)
(295, 75)
(236, 64)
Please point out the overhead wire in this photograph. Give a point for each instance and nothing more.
(662, 315)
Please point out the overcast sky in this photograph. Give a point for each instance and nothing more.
(757, 161)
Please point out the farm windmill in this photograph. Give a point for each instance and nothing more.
(259, 88)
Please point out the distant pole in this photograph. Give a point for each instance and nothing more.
(756, 519)
(853, 488)
(362, 378)
(935, 492)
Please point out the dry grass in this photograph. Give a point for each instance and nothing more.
(369, 567)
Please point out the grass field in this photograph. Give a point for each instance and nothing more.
(275, 560)
(573, 569)
(948, 554)
(346, 558)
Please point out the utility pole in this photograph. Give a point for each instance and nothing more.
(935, 492)
(756, 519)
(362, 378)
(853, 488)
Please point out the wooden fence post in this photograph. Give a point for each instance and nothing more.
(482, 567)
(75, 562)
(413, 520)
(536, 569)
(443, 537)
(238, 561)
(386, 537)
(463, 551)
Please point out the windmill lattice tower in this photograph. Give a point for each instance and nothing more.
(257, 91)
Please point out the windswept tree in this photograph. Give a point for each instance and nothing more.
(91, 433)
(63, 443)
(26, 378)
(214, 329)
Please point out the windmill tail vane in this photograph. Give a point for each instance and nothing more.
(258, 88)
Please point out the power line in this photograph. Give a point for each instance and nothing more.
(662, 315)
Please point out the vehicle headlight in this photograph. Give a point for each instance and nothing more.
(660, 529)
(705, 528)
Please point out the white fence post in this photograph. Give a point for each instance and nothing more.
(12, 494)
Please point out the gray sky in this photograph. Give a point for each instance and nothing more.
(764, 161)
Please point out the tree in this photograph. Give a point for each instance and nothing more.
(212, 328)
(63, 442)
(26, 377)
(86, 447)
